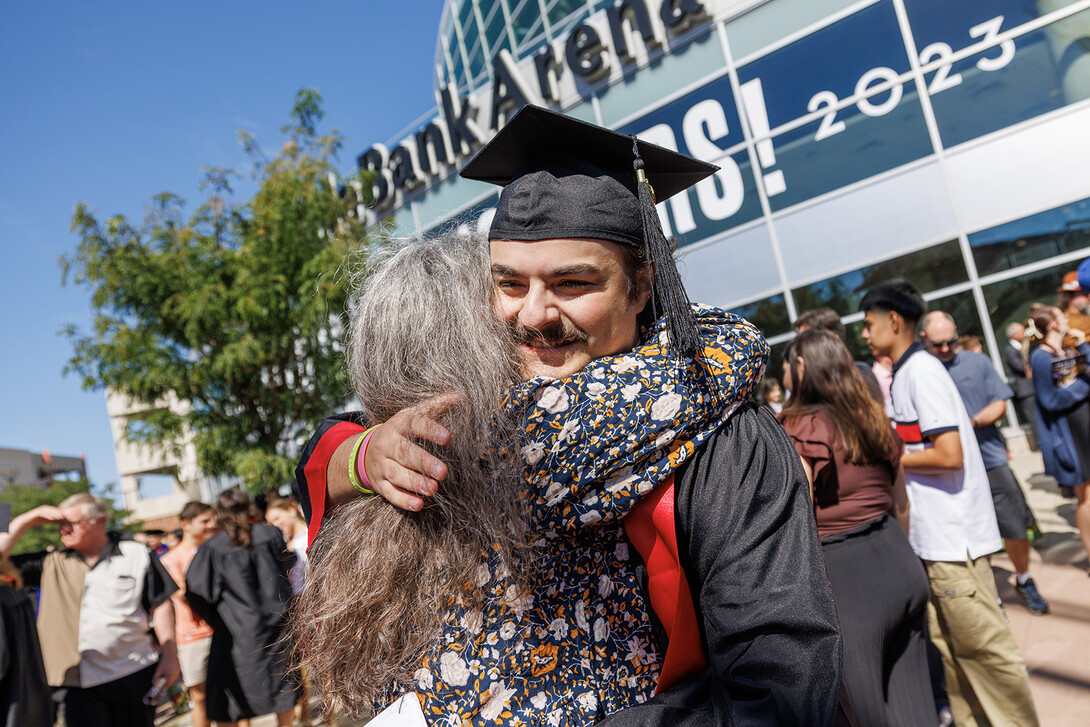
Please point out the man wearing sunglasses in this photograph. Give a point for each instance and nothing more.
(100, 596)
(985, 396)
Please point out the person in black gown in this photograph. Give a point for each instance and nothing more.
(238, 582)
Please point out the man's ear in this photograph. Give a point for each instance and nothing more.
(896, 322)
(643, 287)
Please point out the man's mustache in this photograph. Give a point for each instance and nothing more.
(554, 335)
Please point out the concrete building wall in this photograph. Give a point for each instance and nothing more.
(37, 469)
(137, 461)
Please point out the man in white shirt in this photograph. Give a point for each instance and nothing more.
(100, 598)
(953, 526)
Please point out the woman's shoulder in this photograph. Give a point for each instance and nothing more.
(816, 425)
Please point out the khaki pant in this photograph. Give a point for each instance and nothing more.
(986, 675)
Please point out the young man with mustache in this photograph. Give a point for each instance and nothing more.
(581, 269)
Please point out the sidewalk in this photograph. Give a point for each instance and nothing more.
(1056, 646)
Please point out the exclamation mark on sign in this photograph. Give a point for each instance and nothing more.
(753, 102)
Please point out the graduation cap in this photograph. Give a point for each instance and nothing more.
(566, 178)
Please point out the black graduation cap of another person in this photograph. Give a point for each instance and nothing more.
(566, 178)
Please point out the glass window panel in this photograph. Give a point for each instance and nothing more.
(942, 21)
(930, 269)
(814, 161)
(1019, 80)
(769, 315)
(767, 23)
(835, 58)
(560, 10)
(496, 30)
(705, 123)
(1009, 300)
(526, 20)
(476, 63)
(1040, 236)
(472, 39)
(465, 16)
(458, 72)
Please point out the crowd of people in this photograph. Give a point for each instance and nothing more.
(563, 504)
(120, 620)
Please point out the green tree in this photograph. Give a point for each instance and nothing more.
(239, 311)
(22, 498)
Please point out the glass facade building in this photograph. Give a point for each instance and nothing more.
(943, 141)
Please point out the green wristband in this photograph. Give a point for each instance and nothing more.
(353, 461)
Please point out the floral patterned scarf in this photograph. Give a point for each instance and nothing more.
(595, 442)
(575, 640)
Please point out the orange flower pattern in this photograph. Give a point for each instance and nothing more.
(575, 643)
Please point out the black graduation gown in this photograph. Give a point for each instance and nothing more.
(749, 545)
(24, 692)
(244, 593)
(748, 542)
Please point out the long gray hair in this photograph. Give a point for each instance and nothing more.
(381, 578)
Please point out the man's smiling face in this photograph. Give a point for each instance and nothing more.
(568, 301)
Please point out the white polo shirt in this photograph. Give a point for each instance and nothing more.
(951, 511)
(94, 622)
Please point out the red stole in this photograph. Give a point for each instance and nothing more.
(651, 530)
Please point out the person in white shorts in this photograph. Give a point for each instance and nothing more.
(194, 636)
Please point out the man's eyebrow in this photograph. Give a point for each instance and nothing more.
(577, 269)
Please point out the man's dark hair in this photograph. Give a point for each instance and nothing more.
(192, 509)
(821, 319)
(899, 296)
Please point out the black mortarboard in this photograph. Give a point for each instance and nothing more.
(566, 178)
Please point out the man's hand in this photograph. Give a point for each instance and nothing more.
(168, 667)
(42, 515)
(399, 470)
(1078, 335)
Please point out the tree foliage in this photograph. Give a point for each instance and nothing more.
(238, 310)
(23, 498)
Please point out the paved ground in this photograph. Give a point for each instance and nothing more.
(1056, 646)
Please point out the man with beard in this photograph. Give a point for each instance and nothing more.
(634, 397)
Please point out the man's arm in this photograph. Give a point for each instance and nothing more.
(747, 535)
(159, 585)
(41, 515)
(944, 454)
(163, 619)
(990, 414)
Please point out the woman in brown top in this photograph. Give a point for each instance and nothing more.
(853, 460)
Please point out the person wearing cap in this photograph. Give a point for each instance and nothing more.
(1073, 300)
(583, 271)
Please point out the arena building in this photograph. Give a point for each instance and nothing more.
(940, 141)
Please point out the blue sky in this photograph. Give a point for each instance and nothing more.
(112, 103)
